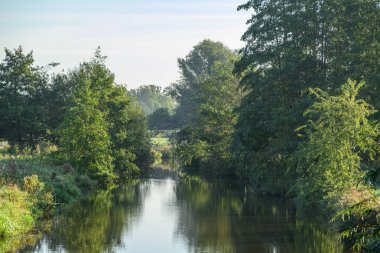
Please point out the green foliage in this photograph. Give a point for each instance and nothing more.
(22, 100)
(359, 220)
(160, 120)
(151, 99)
(32, 185)
(129, 134)
(19, 210)
(68, 188)
(41, 201)
(291, 46)
(162, 148)
(203, 62)
(207, 96)
(338, 135)
(191, 152)
(94, 122)
(34, 188)
(104, 133)
(15, 212)
(84, 140)
(64, 182)
(59, 100)
(139, 139)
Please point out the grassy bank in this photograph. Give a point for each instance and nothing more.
(62, 180)
(34, 188)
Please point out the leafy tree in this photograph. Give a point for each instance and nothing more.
(126, 138)
(59, 100)
(84, 138)
(197, 66)
(151, 98)
(160, 120)
(205, 142)
(22, 100)
(139, 140)
(339, 135)
(130, 138)
(291, 46)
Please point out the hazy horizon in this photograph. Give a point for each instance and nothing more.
(142, 39)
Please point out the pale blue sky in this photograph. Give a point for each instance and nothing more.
(142, 39)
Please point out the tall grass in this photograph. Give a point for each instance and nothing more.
(63, 181)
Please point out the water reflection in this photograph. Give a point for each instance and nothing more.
(187, 215)
(96, 224)
(214, 219)
(205, 216)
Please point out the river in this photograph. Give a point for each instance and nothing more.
(169, 215)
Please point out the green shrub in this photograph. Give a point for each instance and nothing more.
(358, 220)
(15, 211)
(338, 139)
(33, 185)
(19, 209)
(65, 189)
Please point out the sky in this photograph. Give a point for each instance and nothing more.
(142, 39)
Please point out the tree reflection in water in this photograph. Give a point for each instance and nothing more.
(97, 224)
(215, 219)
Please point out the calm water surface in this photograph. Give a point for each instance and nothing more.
(166, 215)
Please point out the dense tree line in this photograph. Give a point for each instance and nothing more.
(22, 100)
(293, 113)
(305, 130)
(292, 46)
(94, 122)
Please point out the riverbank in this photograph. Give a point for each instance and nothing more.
(32, 189)
(35, 188)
